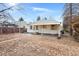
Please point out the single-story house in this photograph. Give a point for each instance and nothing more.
(46, 27)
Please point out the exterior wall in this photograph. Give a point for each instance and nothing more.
(30, 28)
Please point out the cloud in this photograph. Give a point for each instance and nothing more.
(41, 9)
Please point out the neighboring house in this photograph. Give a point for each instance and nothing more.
(21, 24)
(46, 27)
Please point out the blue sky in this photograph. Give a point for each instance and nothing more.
(30, 11)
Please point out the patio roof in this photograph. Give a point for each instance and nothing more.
(46, 22)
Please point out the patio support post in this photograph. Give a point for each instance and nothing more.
(59, 34)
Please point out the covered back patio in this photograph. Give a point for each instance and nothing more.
(47, 27)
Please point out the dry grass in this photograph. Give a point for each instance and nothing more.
(42, 45)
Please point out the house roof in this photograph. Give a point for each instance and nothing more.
(20, 22)
(46, 22)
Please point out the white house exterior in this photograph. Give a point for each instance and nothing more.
(46, 27)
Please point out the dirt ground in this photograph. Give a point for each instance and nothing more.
(37, 45)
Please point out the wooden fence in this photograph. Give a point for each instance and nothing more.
(7, 30)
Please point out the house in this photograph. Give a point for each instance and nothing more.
(46, 27)
(22, 25)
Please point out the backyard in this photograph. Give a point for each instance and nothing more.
(23, 44)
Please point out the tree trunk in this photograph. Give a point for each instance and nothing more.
(71, 30)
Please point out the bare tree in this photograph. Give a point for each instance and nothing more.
(70, 11)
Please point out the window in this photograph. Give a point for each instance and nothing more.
(52, 27)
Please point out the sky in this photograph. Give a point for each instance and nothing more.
(30, 11)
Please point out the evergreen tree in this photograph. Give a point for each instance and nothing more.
(21, 19)
(45, 18)
(38, 18)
